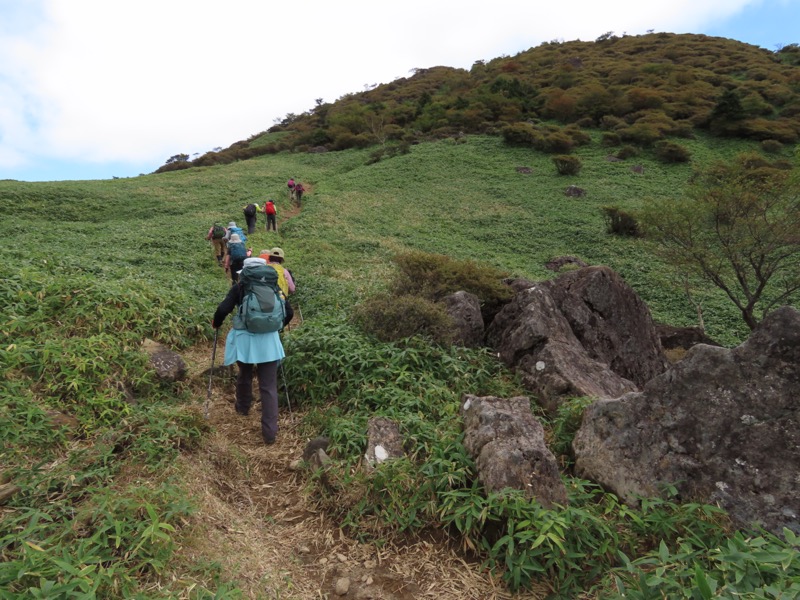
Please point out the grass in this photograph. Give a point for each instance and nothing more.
(91, 268)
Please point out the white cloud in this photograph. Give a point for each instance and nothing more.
(94, 80)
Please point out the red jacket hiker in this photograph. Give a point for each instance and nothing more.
(269, 210)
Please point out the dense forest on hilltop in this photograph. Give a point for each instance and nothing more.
(639, 89)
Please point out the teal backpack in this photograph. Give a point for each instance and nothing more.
(262, 309)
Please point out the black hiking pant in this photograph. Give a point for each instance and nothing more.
(271, 221)
(268, 393)
(251, 223)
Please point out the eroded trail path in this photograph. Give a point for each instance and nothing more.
(257, 520)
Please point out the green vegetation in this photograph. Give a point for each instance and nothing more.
(90, 269)
(738, 229)
(639, 89)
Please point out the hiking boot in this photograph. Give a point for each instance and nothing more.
(269, 441)
(240, 411)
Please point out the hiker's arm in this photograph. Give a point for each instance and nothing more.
(289, 280)
(226, 306)
(289, 314)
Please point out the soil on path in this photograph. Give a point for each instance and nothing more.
(258, 520)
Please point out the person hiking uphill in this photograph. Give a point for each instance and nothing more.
(290, 184)
(275, 258)
(234, 257)
(272, 214)
(298, 193)
(232, 228)
(250, 217)
(216, 235)
(261, 352)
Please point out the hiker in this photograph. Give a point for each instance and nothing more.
(234, 257)
(217, 237)
(250, 212)
(290, 185)
(272, 214)
(275, 258)
(232, 228)
(298, 192)
(263, 351)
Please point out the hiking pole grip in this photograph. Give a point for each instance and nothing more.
(211, 371)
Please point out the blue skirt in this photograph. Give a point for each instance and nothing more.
(252, 348)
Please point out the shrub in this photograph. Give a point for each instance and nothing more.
(670, 152)
(620, 222)
(435, 276)
(567, 165)
(554, 142)
(390, 318)
(610, 138)
(627, 151)
(771, 146)
(519, 134)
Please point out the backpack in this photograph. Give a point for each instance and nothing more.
(262, 309)
(217, 232)
(237, 250)
(269, 208)
(250, 210)
(238, 230)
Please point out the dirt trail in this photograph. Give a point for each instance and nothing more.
(258, 521)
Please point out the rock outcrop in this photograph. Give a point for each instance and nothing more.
(721, 425)
(507, 443)
(465, 310)
(585, 333)
(384, 441)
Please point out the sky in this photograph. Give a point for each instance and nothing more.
(98, 89)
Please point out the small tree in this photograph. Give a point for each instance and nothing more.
(739, 228)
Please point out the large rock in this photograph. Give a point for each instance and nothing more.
(532, 336)
(167, 364)
(507, 443)
(611, 322)
(465, 310)
(722, 426)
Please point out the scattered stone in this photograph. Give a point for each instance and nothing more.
(296, 464)
(383, 441)
(69, 424)
(168, 365)
(638, 169)
(555, 264)
(319, 459)
(507, 443)
(303, 550)
(313, 445)
(342, 586)
(524, 170)
(341, 557)
(7, 490)
(323, 561)
(573, 191)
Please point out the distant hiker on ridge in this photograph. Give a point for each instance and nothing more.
(271, 213)
(290, 185)
(298, 192)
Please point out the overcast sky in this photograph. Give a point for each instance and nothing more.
(95, 89)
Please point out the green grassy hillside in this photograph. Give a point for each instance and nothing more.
(90, 268)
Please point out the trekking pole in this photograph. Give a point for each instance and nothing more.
(285, 388)
(211, 371)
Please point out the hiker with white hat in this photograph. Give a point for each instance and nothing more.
(235, 254)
